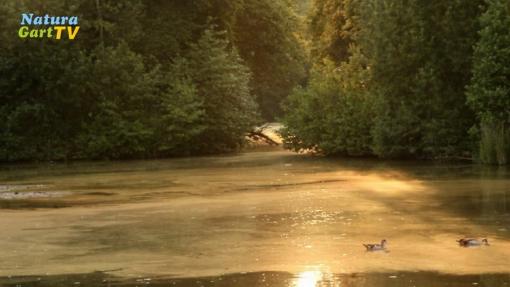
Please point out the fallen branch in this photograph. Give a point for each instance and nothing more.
(258, 135)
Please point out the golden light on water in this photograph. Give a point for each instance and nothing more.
(308, 279)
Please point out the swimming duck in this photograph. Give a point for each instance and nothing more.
(376, 247)
(471, 242)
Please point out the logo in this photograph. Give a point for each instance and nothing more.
(55, 27)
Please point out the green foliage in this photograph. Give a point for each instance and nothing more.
(222, 82)
(165, 78)
(331, 26)
(420, 54)
(180, 111)
(414, 59)
(494, 142)
(333, 115)
(103, 22)
(265, 34)
(274, 53)
(119, 123)
(41, 90)
(132, 85)
(302, 7)
(489, 90)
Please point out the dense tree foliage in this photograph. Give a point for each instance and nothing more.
(386, 78)
(144, 78)
(412, 61)
(223, 84)
(489, 91)
(332, 29)
(420, 57)
(334, 113)
(271, 49)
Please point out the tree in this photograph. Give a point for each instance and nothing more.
(489, 90)
(414, 60)
(419, 54)
(177, 88)
(265, 34)
(180, 112)
(331, 27)
(119, 124)
(41, 101)
(222, 83)
(334, 113)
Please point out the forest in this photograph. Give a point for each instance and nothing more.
(150, 79)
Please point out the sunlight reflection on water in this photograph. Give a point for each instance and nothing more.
(201, 216)
(308, 278)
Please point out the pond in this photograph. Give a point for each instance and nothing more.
(259, 218)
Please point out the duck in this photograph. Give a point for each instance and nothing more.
(376, 247)
(471, 242)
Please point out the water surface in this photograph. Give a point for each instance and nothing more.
(256, 217)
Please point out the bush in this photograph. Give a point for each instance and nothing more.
(333, 115)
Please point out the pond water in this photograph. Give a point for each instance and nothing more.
(260, 218)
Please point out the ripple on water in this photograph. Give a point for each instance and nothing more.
(14, 195)
(307, 278)
(21, 187)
